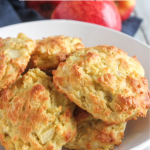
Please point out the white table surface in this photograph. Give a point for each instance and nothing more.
(142, 10)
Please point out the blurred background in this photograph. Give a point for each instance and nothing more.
(131, 16)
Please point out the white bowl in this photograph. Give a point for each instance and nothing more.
(137, 134)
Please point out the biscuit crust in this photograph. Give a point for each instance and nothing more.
(53, 50)
(34, 116)
(106, 82)
(14, 57)
(93, 134)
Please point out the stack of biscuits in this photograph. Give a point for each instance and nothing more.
(56, 93)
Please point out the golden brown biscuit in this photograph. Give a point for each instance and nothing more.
(14, 57)
(34, 116)
(106, 82)
(53, 50)
(93, 134)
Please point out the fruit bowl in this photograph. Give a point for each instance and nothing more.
(137, 134)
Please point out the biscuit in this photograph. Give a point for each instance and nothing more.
(14, 57)
(93, 134)
(53, 50)
(34, 116)
(106, 82)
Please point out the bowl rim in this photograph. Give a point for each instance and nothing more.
(78, 22)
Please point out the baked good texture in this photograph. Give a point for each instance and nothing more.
(93, 134)
(34, 116)
(106, 82)
(53, 50)
(14, 57)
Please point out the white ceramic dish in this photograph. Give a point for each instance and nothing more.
(137, 134)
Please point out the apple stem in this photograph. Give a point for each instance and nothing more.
(117, 3)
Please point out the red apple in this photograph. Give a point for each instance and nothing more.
(125, 8)
(99, 12)
(45, 8)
